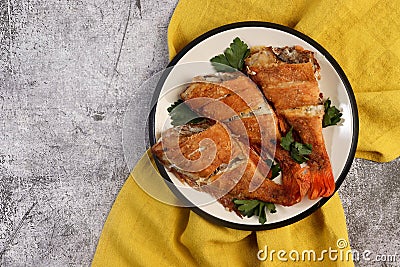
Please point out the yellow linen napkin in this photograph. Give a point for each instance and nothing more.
(363, 37)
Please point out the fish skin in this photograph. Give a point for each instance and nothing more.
(292, 88)
(231, 183)
(261, 131)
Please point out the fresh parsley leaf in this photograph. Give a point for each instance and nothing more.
(248, 207)
(233, 56)
(303, 149)
(275, 168)
(181, 114)
(236, 53)
(262, 216)
(271, 207)
(254, 207)
(287, 140)
(220, 59)
(332, 114)
(174, 105)
(298, 151)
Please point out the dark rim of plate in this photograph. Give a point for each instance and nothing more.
(332, 61)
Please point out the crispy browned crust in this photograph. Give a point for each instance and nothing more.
(247, 179)
(288, 78)
(264, 189)
(287, 85)
(266, 56)
(309, 127)
(261, 130)
(236, 102)
(223, 100)
(184, 154)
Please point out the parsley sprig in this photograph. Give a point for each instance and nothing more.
(233, 56)
(332, 114)
(298, 151)
(254, 207)
(181, 114)
(275, 168)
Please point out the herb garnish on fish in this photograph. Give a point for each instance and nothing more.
(233, 56)
(275, 168)
(332, 114)
(251, 207)
(298, 151)
(181, 114)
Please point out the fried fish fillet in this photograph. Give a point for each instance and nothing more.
(236, 101)
(230, 167)
(288, 79)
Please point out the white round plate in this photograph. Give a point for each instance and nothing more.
(193, 60)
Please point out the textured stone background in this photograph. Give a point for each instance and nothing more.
(68, 72)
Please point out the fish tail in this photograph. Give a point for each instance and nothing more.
(322, 183)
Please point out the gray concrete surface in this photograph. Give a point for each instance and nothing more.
(68, 72)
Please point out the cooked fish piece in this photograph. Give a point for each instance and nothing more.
(236, 101)
(233, 99)
(196, 151)
(288, 85)
(297, 54)
(288, 78)
(224, 95)
(303, 119)
(266, 56)
(232, 171)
